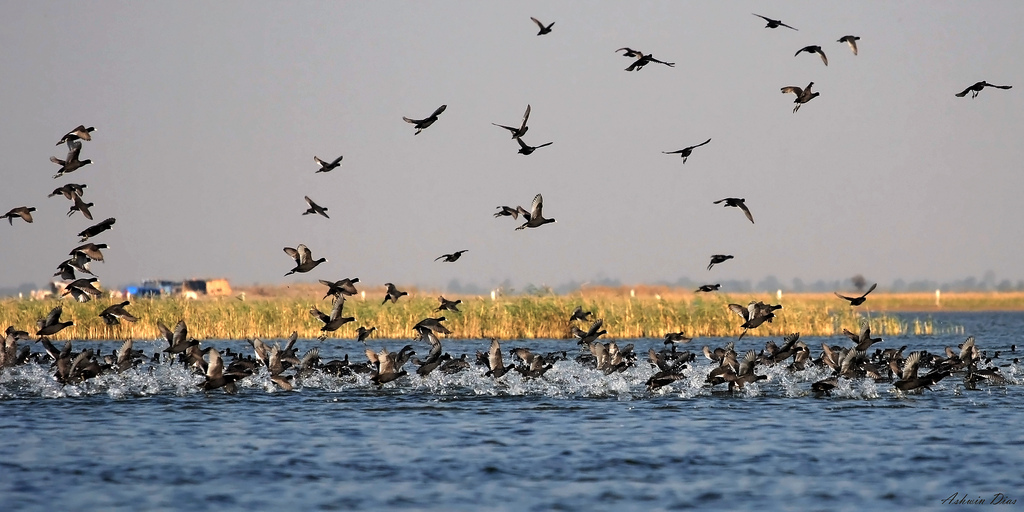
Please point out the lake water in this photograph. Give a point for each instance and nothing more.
(575, 439)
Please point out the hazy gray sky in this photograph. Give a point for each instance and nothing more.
(208, 115)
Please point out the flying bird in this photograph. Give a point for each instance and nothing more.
(96, 229)
(71, 162)
(333, 321)
(51, 324)
(813, 49)
(526, 150)
(327, 166)
(304, 261)
(81, 132)
(69, 191)
(802, 95)
(857, 301)
(976, 88)
(114, 313)
(718, 258)
(82, 290)
(393, 294)
(773, 23)
(642, 59)
(755, 314)
(543, 29)
(80, 206)
(579, 314)
(517, 132)
(850, 40)
(453, 257)
(685, 152)
(423, 124)
(449, 305)
(534, 217)
(25, 212)
(738, 203)
(338, 289)
(708, 288)
(507, 211)
(90, 251)
(362, 333)
(314, 209)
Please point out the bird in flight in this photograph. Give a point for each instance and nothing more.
(303, 257)
(543, 29)
(707, 288)
(423, 124)
(314, 209)
(71, 162)
(850, 40)
(392, 294)
(718, 258)
(81, 132)
(327, 166)
(802, 95)
(641, 59)
(525, 149)
(738, 203)
(25, 212)
(507, 211)
(685, 152)
(453, 257)
(976, 88)
(857, 301)
(534, 217)
(813, 49)
(773, 23)
(517, 132)
(96, 229)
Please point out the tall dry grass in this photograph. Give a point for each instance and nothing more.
(505, 318)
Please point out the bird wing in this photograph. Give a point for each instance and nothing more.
(293, 253)
(539, 24)
(701, 144)
(180, 332)
(53, 316)
(787, 26)
(536, 207)
(526, 116)
(740, 310)
(339, 303)
(844, 297)
(823, 57)
(523, 144)
(509, 128)
(442, 256)
(494, 356)
(337, 161)
(870, 290)
(304, 253)
(743, 206)
(74, 148)
(439, 110)
(793, 89)
(215, 369)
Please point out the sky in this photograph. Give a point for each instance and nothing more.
(208, 115)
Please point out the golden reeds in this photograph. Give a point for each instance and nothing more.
(505, 318)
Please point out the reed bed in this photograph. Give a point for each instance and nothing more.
(519, 317)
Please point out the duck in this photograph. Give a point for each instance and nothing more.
(303, 257)
(719, 258)
(314, 209)
(341, 287)
(423, 124)
(857, 301)
(333, 321)
(737, 202)
(521, 130)
(71, 162)
(393, 294)
(80, 132)
(863, 341)
(90, 250)
(80, 206)
(802, 95)
(677, 337)
(813, 49)
(495, 365)
(362, 333)
(327, 166)
(534, 217)
(448, 305)
(707, 288)
(685, 152)
(25, 212)
(69, 190)
(851, 41)
(96, 229)
(507, 211)
(579, 314)
(51, 324)
(525, 149)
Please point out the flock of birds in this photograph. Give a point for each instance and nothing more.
(384, 366)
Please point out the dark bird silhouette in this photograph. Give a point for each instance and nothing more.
(738, 203)
(976, 88)
(453, 257)
(114, 313)
(857, 301)
(863, 341)
(81, 132)
(448, 305)
(677, 337)
(327, 166)
(773, 23)
(431, 324)
(304, 261)
(340, 288)
(80, 206)
(517, 132)
(71, 162)
(718, 258)
(755, 314)
(96, 229)
(641, 59)
(25, 212)
(525, 149)
(588, 336)
(802, 95)
(82, 289)
(333, 321)
(90, 250)
(813, 49)
(362, 333)
(69, 191)
(708, 288)
(579, 314)
(178, 340)
(496, 367)
(534, 217)
(51, 324)
(423, 124)
(850, 40)
(685, 152)
(507, 211)
(314, 209)
(543, 29)
(393, 294)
